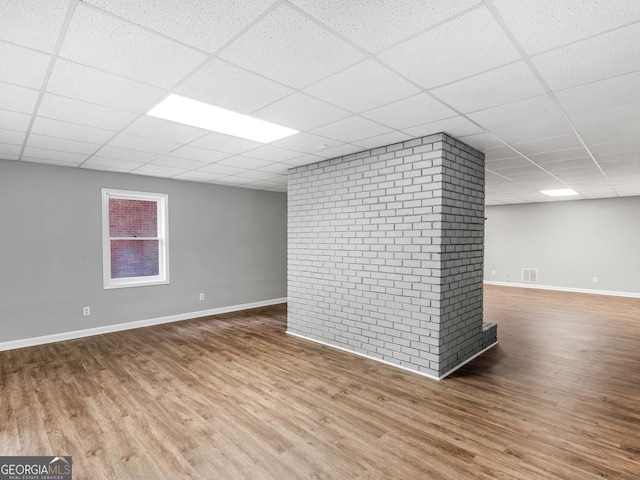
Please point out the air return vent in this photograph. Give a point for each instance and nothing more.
(530, 275)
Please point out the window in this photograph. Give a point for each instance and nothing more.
(134, 238)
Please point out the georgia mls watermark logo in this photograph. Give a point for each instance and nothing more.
(35, 468)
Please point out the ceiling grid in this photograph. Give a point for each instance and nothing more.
(548, 90)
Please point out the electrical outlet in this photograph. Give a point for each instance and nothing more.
(201, 296)
(595, 279)
(86, 311)
(493, 272)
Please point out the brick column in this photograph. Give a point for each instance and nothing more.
(386, 254)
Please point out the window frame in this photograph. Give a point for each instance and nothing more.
(162, 202)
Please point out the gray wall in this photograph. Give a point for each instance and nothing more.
(570, 242)
(229, 243)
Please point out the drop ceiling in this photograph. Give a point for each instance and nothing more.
(549, 90)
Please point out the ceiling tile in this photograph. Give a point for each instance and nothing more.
(481, 141)
(499, 183)
(244, 162)
(126, 154)
(632, 145)
(588, 191)
(301, 112)
(612, 92)
(283, 167)
(380, 140)
(303, 160)
(61, 144)
(226, 143)
(575, 179)
(627, 159)
(62, 161)
(547, 144)
(87, 84)
(198, 176)
(218, 169)
(267, 185)
(542, 24)
(290, 48)
(183, 163)
(76, 111)
(112, 164)
(341, 151)
(200, 154)
(496, 87)
(362, 87)
(32, 23)
(260, 175)
(158, 170)
(499, 153)
(204, 24)
(22, 66)
(152, 127)
(144, 144)
(410, 112)
(71, 131)
(534, 178)
(573, 166)
(234, 180)
(454, 126)
(224, 85)
(13, 137)
(306, 143)
(104, 168)
(456, 48)
(34, 154)
(17, 99)
(273, 154)
(452, 51)
(614, 124)
(7, 150)
(103, 41)
(559, 155)
(591, 60)
(351, 129)
(380, 25)
(14, 121)
(507, 163)
(616, 170)
(537, 129)
(523, 111)
(628, 190)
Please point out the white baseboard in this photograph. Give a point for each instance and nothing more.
(468, 360)
(417, 372)
(564, 289)
(59, 337)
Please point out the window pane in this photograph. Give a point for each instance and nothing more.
(135, 258)
(133, 218)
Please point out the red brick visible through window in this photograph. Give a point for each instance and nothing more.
(133, 218)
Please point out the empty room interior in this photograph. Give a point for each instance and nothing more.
(296, 239)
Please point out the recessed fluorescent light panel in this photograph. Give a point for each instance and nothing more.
(563, 192)
(202, 115)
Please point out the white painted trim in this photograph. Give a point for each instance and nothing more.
(162, 202)
(564, 289)
(432, 377)
(60, 337)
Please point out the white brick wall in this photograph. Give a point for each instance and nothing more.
(386, 253)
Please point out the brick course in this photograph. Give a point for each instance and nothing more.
(386, 253)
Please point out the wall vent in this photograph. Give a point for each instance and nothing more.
(530, 275)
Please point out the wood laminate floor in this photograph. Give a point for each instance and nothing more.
(233, 396)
